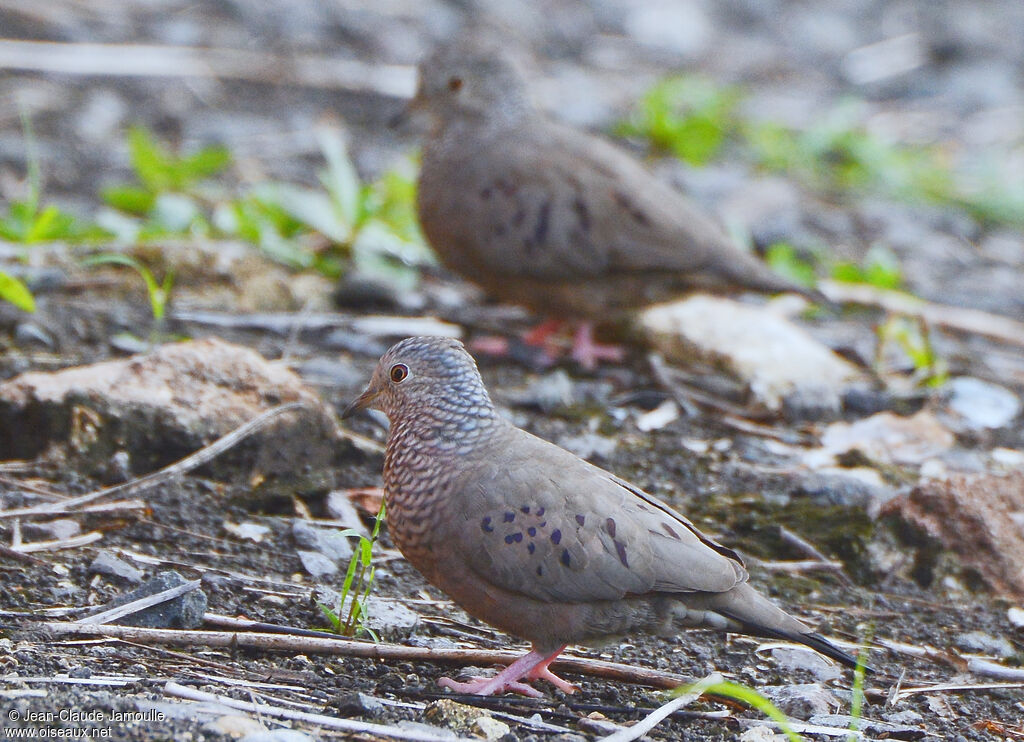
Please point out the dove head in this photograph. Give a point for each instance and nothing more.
(432, 379)
(475, 78)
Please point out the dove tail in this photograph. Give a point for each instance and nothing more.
(810, 639)
(754, 614)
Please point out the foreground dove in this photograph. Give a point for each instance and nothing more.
(547, 216)
(535, 541)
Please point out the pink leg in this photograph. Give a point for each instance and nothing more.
(540, 336)
(531, 666)
(587, 353)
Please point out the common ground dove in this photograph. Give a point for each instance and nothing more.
(547, 216)
(535, 541)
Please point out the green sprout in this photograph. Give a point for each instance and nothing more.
(159, 293)
(913, 337)
(27, 222)
(749, 696)
(351, 619)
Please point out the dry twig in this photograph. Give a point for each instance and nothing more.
(347, 647)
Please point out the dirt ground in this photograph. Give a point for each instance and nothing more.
(895, 584)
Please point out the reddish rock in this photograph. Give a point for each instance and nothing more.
(979, 517)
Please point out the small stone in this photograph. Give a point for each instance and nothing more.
(490, 728)
(797, 658)
(184, 612)
(106, 563)
(1016, 616)
(659, 417)
(80, 671)
(758, 734)
(982, 643)
(802, 700)
(248, 531)
(58, 530)
(329, 542)
(980, 404)
(316, 564)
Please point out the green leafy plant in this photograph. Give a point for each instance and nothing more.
(783, 259)
(694, 119)
(14, 291)
(349, 617)
(880, 268)
(749, 696)
(159, 170)
(159, 292)
(687, 116)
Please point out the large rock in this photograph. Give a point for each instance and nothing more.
(162, 406)
(979, 518)
(774, 357)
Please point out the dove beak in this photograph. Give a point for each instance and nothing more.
(413, 111)
(364, 400)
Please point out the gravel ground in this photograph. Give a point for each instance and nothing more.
(949, 74)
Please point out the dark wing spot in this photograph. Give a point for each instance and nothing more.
(525, 509)
(486, 524)
(609, 525)
(540, 512)
(540, 571)
(582, 214)
(513, 538)
(668, 529)
(632, 209)
(509, 517)
(540, 230)
(620, 549)
(581, 519)
(556, 536)
(531, 531)
(565, 557)
(531, 547)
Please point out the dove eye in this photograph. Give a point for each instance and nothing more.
(455, 84)
(399, 373)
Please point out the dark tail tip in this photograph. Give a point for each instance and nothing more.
(820, 644)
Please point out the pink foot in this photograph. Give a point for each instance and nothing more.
(531, 666)
(587, 352)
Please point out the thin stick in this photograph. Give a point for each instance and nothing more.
(652, 720)
(989, 669)
(141, 604)
(953, 687)
(185, 465)
(351, 648)
(142, 60)
(330, 722)
(807, 565)
(64, 543)
(972, 321)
